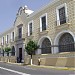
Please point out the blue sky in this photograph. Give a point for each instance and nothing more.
(9, 8)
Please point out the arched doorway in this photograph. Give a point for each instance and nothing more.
(45, 46)
(66, 43)
(13, 51)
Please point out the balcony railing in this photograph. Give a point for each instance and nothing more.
(42, 30)
(22, 37)
(29, 36)
(63, 21)
(43, 27)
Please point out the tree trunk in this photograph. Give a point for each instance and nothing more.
(3, 53)
(8, 54)
(31, 60)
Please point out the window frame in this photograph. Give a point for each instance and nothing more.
(12, 36)
(57, 13)
(3, 40)
(20, 26)
(41, 29)
(19, 34)
(29, 28)
(7, 38)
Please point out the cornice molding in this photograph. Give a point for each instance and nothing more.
(42, 8)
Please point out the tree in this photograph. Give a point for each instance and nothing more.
(31, 47)
(7, 50)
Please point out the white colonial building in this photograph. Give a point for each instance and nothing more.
(52, 27)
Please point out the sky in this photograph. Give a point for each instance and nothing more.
(9, 9)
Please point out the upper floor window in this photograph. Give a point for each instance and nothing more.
(12, 36)
(2, 40)
(30, 28)
(43, 22)
(7, 39)
(61, 14)
(20, 32)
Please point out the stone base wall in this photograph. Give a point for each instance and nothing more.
(27, 60)
(61, 60)
(11, 59)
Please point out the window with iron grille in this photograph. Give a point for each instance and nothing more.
(43, 23)
(20, 32)
(30, 28)
(7, 38)
(62, 16)
(12, 36)
(3, 40)
(66, 43)
(46, 46)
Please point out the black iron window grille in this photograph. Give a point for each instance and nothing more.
(62, 15)
(43, 23)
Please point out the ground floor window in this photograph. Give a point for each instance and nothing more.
(46, 46)
(66, 43)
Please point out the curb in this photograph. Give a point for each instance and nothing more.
(53, 67)
(20, 64)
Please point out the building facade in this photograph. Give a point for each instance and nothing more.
(52, 27)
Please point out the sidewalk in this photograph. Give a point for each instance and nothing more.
(41, 66)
